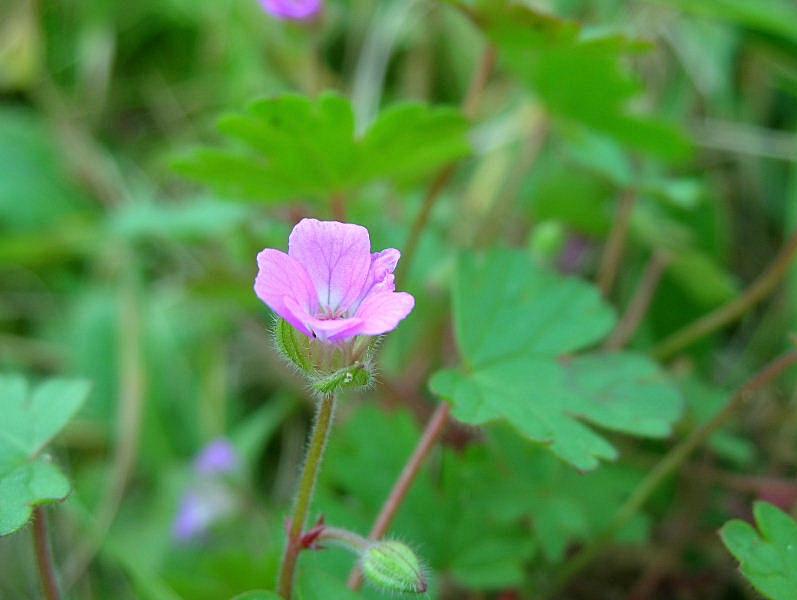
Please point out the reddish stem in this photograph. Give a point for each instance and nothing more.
(434, 429)
(44, 557)
(615, 245)
(338, 207)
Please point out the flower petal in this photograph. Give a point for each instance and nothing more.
(336, 257)
(380, 277)
(219, 456)
(292, 9)
(281, 277)
(382, 311)
(325, 330)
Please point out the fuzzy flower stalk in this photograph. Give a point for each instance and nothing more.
(389, 565)
(333, 297)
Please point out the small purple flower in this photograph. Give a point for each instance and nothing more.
(216, 458)
(329, 285)
(200, 508)
(292, 10)
(209, 497)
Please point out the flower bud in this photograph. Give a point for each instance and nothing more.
(393, 566)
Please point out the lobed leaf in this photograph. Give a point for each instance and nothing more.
(303, 148)
(579, 77)
(768, 555)
(31, 418)
(516, 325)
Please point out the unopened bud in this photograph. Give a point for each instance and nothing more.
(393, 566)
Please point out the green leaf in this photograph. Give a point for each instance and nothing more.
(308, 148)
(516, 325)
(258, 595)
(447, 517)
(704, 402)
(768, 556)
(35, 192)
(492, 562)
(579, 76)
(778, 17)
(513, 480)
(191, 220)
(315, 583)
(31, 418)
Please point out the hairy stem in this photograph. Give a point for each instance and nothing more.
(666, 467)
(434, 429)
(615, 245)
(345, 538)
(758, 291)
(44, 557)
(304, 497)
(469, 106)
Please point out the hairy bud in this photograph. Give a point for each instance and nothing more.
(393, 566)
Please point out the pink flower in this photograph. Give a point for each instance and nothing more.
(293, 10)
(329, 286)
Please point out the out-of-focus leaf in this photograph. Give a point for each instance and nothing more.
(188, 220)
(492, 563)
(34, 189)
(258, 595)
(704, 403)
(511, 480)
(682, 193)
(20, 45)
(300, 148)
(517, 326)
(469, 515)
(31, 418)
(451, 532)
(768, 555)
(603, 156)
(573, 196)
(703, 278)
(579, 77)
(700, 275)
(777, 17)
(319, 584)
(255, 431)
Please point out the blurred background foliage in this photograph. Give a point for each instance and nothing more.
(678, 114)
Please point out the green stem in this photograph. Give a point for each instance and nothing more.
(304, 497)
(758, 291)
(343, 537)
(666, 467)
(44, 557)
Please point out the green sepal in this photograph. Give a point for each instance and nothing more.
(294, 346)
(355, 376)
